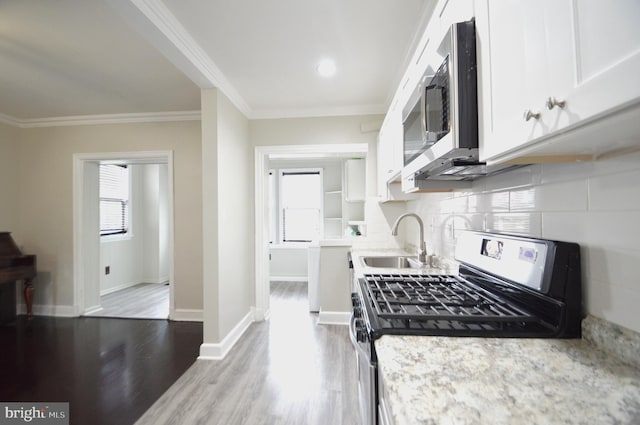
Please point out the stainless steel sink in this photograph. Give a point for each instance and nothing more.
(393, 262)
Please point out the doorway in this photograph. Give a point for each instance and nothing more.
(141, 284)
(263, 157)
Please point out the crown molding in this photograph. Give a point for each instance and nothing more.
(144, 117)
(193, 56)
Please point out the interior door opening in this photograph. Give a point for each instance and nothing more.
(124, 270)
(275, 259)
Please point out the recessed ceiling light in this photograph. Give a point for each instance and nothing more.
(326, 68)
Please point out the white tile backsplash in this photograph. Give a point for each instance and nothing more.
(609, 229)
(615, 303)
(565, 196)
(516, 223)
(596, 204)
(612, 265)
(615, 192)
(454, 205)
(488, 202)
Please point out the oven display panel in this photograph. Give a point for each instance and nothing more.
(492, 248)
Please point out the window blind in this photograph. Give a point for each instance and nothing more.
(114, 199)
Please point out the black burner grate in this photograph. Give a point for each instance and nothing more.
(438, 297)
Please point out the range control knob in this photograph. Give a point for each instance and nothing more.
(355, 300)
(361, 333)
(357, 312)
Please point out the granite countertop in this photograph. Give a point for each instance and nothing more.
(448, 380)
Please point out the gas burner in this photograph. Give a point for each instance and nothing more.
(434, 297)
(531, 289)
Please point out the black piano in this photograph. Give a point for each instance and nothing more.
(14, 266)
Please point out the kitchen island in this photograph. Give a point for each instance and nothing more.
(445, 380)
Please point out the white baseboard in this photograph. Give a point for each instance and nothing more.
(117, 288)
(334, 317)
(158, 280)
(91, 310)
(260, 315)
(179, 315)
(186, 315)
(210, 351)
(49, 310)
(288, 278)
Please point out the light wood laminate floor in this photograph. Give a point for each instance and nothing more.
(287, 370)
(142, 301)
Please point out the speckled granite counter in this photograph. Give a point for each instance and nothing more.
(443, 380)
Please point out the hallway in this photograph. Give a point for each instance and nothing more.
(287, 370)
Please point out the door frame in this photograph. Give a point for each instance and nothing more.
(81, 251)
(261, 214)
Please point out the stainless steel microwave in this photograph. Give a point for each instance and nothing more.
(440, 120)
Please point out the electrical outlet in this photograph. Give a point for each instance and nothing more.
(107, 270)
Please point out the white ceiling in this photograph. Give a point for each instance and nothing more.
(87, 57)
(79, 57)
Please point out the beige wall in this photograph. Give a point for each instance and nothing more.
(235, 191)
(313, 131)
(45, 205)
(220, 193)
(227, 216)
(8, 175)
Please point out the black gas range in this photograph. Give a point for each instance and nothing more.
(507, 286)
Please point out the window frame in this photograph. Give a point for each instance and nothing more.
(280, 209)
(273, 205)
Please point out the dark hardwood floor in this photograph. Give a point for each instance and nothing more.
(109, 370)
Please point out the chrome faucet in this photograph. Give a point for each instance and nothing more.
(422, 250)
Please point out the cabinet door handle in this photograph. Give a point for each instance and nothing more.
(528, 114)
(552, 102)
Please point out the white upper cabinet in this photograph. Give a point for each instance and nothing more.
(389, 150)
(390, 147)
(549, 67)
(606, 69)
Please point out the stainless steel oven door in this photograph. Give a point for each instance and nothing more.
(366, 372)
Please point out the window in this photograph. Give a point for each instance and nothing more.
(300, 205)
(114, 199)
